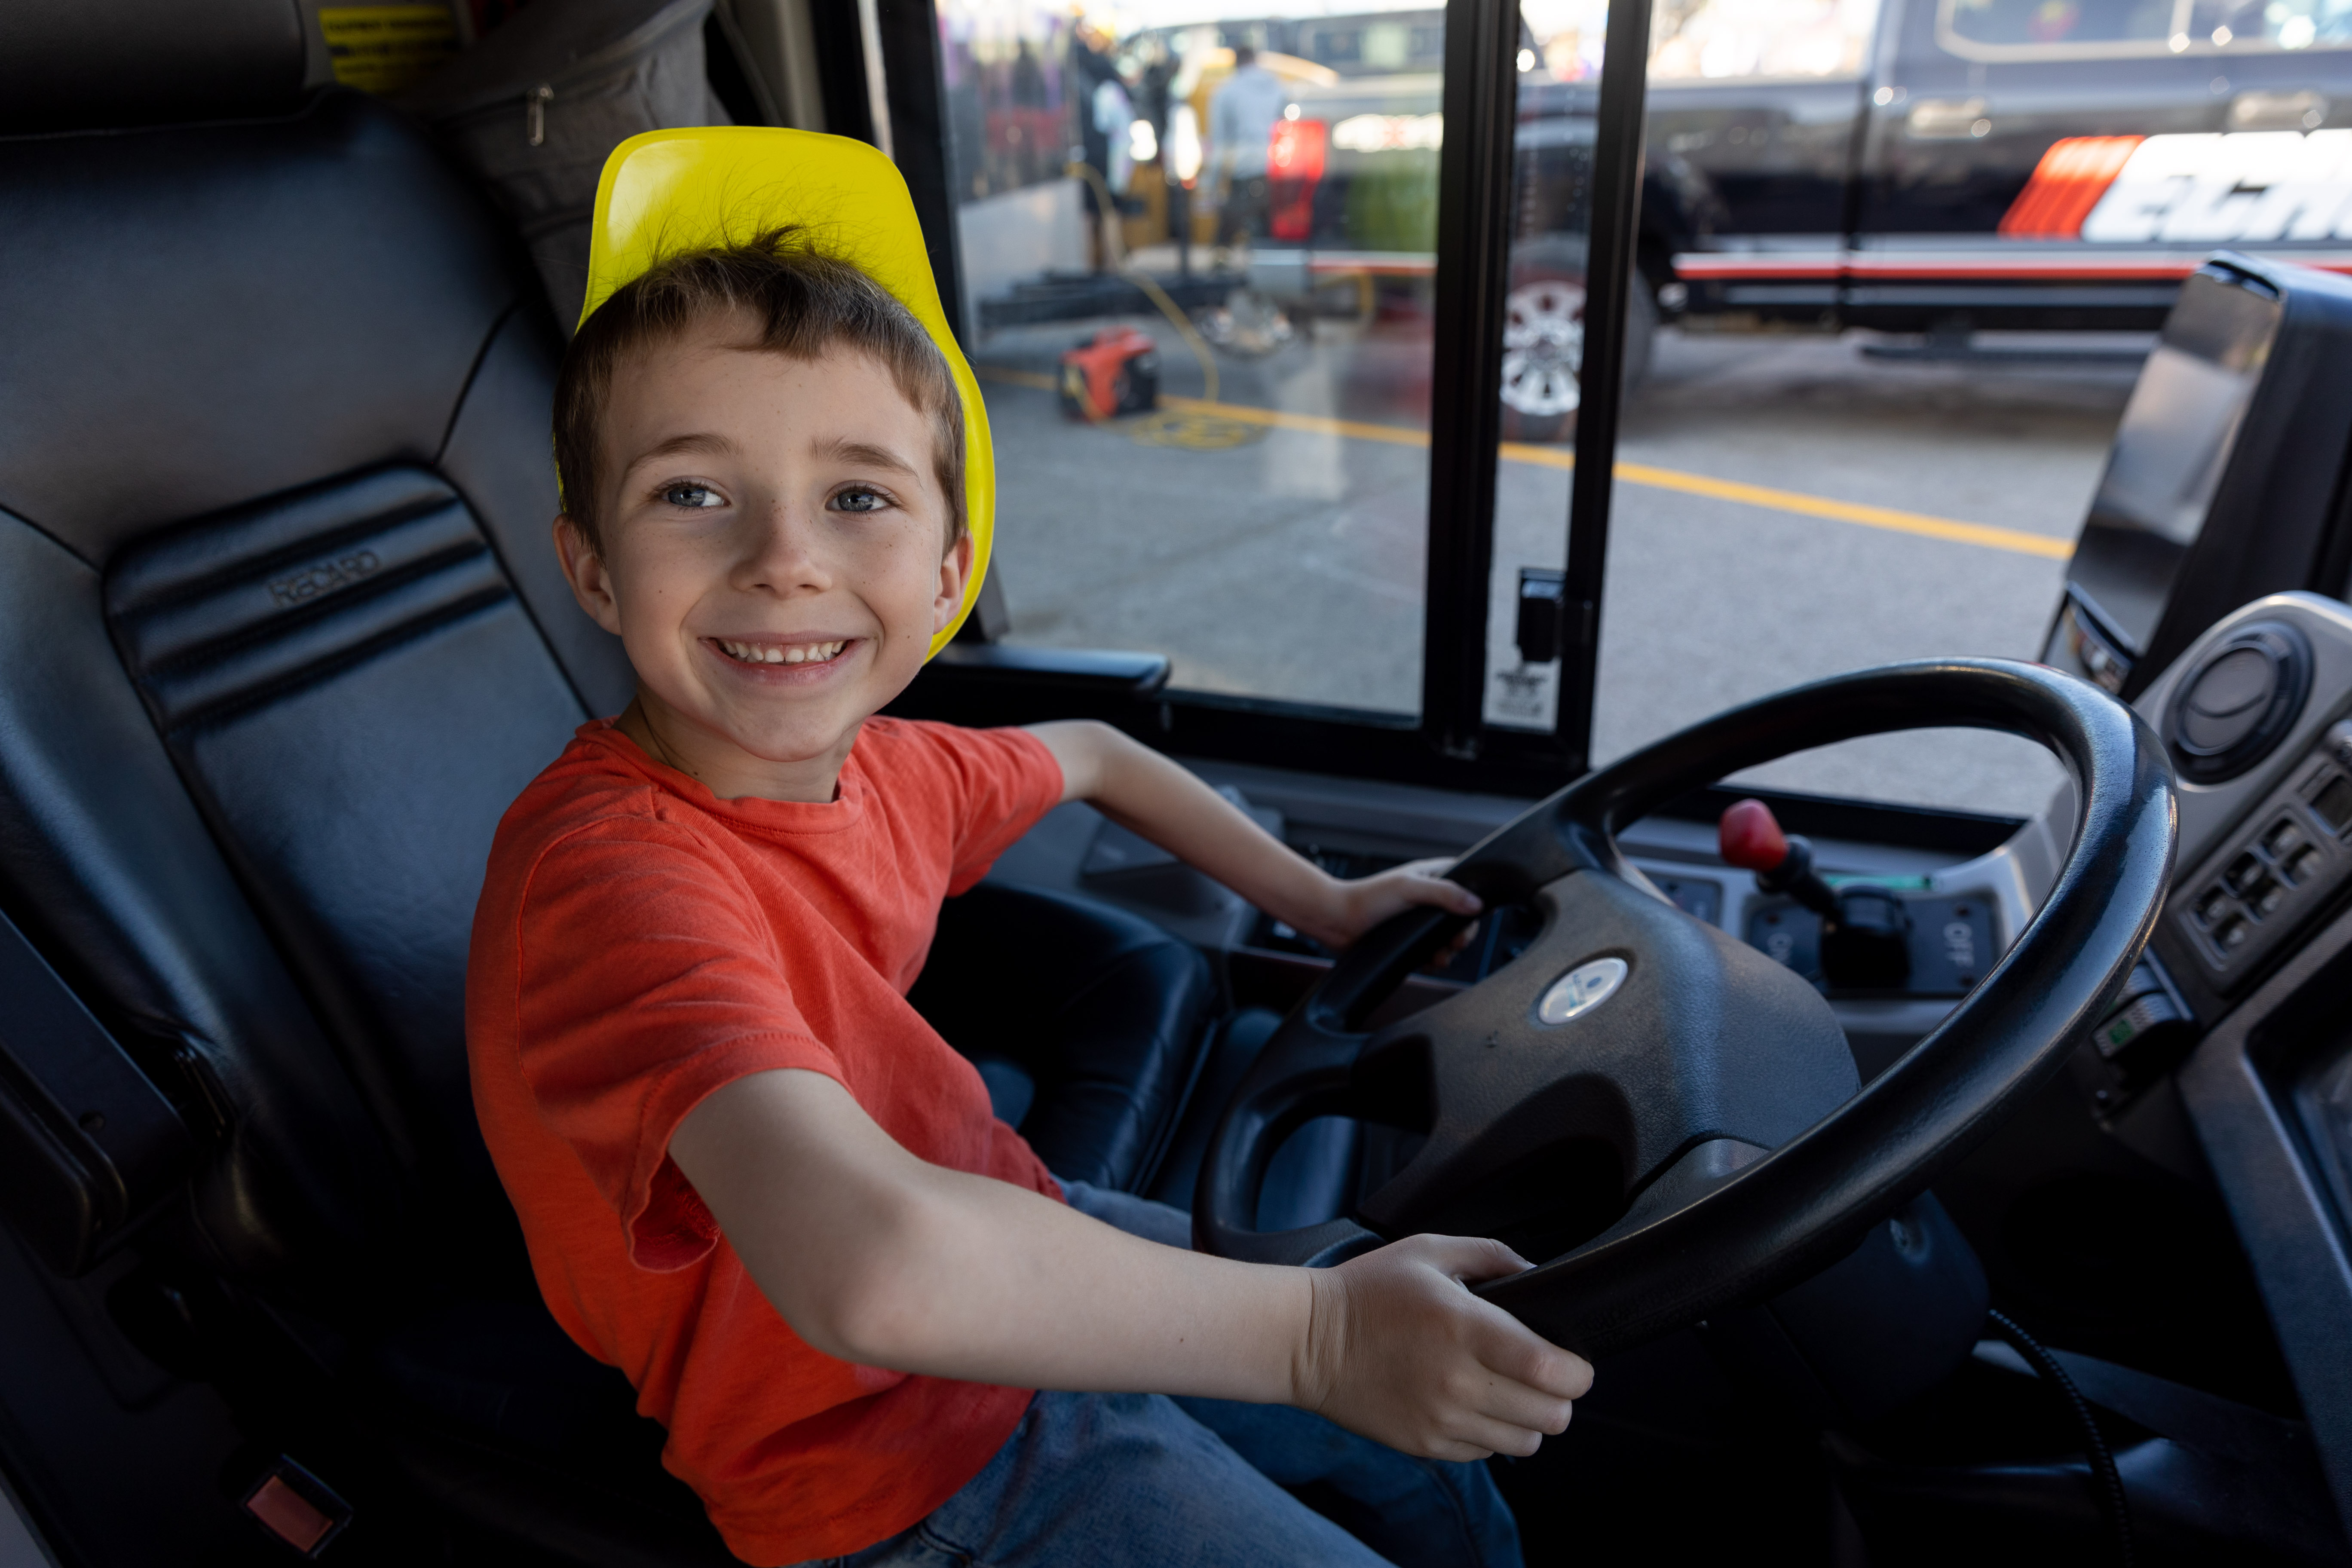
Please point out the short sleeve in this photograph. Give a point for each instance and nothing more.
(646, 982)
(1006, 780)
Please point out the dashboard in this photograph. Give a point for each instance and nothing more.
(2258, 936)
(1974, 894)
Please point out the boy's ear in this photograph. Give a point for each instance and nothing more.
(592, 583)
(955, 570)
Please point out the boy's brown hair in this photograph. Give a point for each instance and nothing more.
(802, 302)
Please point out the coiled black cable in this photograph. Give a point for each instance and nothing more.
(2106, 1481)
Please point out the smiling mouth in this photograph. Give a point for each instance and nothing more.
(785, 653)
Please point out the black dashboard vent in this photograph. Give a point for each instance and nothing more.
(2239, 702)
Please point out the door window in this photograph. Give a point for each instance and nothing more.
(2062, 29)
(1715, 40)
(2242, 25)
(1794, 504)
(2065, 29)
(1198, 259)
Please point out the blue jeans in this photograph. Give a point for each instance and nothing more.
(1122, 1480)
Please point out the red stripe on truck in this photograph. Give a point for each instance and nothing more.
(2066, 185)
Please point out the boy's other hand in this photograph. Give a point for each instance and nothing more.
(1400, 1350)
(1356, 907)
(1143, 791)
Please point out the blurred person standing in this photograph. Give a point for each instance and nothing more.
(1090, 70)
(1242, 116)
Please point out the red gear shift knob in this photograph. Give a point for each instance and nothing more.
(1749, 838)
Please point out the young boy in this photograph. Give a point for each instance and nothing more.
(750, 1174)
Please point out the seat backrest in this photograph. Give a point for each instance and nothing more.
(281, 634)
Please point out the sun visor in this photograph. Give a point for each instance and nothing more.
(667, 192)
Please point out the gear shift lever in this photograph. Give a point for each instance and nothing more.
(1865, 931)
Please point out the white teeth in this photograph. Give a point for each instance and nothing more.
(797, 653)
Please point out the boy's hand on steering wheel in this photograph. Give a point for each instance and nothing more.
(1355, 907)
(1401, 1353)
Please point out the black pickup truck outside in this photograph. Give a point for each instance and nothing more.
(2063, 163)
(2057, 165)
(1933, 167)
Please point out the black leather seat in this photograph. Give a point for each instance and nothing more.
(1094, 1058)
(280, 637)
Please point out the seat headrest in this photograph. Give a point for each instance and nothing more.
(70, 65)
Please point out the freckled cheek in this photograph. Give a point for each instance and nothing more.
(655, 597)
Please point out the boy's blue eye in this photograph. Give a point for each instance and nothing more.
(861, 501)
(691, 495)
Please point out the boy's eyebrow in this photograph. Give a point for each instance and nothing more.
(703, 442)
(865, 454)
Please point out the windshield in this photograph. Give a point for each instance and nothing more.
(1204, 278)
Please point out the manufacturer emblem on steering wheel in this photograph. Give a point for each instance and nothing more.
(1581, 989)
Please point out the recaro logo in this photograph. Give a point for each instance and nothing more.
(324, 577)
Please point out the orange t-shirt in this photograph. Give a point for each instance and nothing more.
(641, 943)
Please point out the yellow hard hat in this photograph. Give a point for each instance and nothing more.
(671, 191)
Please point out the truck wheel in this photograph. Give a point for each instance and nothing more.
(1543, 340)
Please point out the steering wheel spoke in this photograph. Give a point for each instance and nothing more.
(1304, 1071)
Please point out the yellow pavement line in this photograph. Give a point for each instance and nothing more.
(1982, 533)
(1986, 535)
(1395, 434)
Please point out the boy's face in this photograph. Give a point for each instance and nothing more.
(772, 554)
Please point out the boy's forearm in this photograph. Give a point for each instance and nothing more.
(991, 1283)
(885, 1260)
(1141, 790)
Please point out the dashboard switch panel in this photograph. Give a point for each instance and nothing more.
(1950, 941)
(2285, 862)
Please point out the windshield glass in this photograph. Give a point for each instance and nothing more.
(1799, 494)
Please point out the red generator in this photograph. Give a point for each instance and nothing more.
(1115, 372)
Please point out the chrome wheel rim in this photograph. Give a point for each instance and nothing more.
(1543, 345)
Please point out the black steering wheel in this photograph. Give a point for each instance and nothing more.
(1669, 1111)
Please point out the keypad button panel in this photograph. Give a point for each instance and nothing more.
(2293, 855)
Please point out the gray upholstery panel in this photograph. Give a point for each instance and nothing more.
(141, 903)
(499, 456)
(355, 696)
(343, 339)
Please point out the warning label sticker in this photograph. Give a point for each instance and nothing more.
(382, 49)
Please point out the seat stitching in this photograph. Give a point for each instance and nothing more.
(303, 549)
(310, 674)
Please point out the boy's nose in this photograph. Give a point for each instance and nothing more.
(782, 553)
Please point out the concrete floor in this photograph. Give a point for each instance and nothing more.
(1293, 567)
